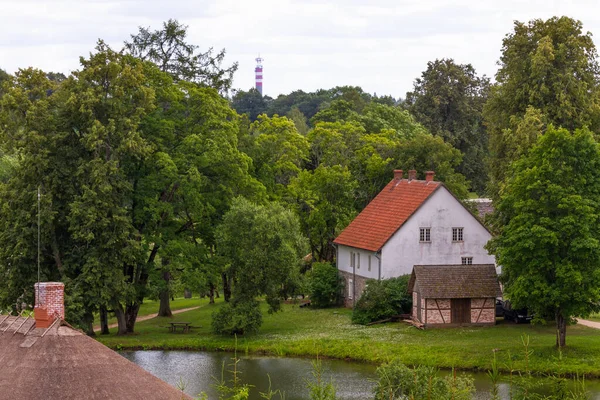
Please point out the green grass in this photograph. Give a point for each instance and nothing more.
(305, 332)
(151, 307)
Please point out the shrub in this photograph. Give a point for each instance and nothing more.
(397, 381)
(382, 299)
(238, 317)
(325, 285)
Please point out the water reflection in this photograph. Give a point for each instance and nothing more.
(197, 371)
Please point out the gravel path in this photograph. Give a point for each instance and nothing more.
(150, 316)
(591, 324)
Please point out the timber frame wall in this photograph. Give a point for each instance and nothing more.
(438, 312)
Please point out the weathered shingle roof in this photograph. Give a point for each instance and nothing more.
(455, 281)
(66, 364)
(386, 213)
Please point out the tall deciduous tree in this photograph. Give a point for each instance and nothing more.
(251, 102)
(550, 66)
(168, 49)
(325, 201)
(278, 152)
(448, 100)
(549, 237)
(263, 245)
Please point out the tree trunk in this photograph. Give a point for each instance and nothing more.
(164, 310)
(131, 312)
(187, 294)
(121, 320)
(561, 330)
(104, 320)
(226, 287)
(88, 323)
(211, 294)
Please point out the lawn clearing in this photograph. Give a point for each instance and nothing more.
(305, 332)
(150, 307)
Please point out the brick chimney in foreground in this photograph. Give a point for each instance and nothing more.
(398, 173)
(429, 176)
(412, 174)
(49, 303)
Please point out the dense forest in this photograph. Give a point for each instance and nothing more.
(155, 176)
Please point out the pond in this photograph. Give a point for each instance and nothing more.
(197, 371)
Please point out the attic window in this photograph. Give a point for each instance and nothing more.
(457, 234)
(425, 235)
(467, 260)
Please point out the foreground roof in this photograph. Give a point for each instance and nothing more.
(455, 281)
(386, 213)
(63, 363)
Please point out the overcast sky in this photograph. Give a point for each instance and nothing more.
(380, 45)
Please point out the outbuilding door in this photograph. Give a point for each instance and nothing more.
(461, 311)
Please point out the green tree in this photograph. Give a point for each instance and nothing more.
(550, 66)
(72, 140)
(325, 285)
(278, 152)
(135, 170)
(168, 49)
(324, 200)
(263, 245)
(549, 232)
(448, 100)
(251, 102)
(299, 120)
(4, 79)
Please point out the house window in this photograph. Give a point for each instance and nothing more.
(350, 289)
(457, 234)
(467, 260)
(425, 234)
(369, 262)
(352, 259)
(358, 261)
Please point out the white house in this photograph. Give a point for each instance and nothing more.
(410, 222)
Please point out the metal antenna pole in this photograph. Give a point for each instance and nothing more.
(39, 233)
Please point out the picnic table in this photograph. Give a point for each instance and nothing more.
(185, 327)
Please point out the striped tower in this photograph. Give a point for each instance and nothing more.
(258, 74)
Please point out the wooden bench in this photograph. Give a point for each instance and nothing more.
(185, 327)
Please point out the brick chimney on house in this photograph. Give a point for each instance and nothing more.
(49, 303)
(429, 176)
(398, 173)
(412, 174)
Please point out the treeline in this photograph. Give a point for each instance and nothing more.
(151, 182)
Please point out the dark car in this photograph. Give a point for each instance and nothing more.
(499, 308)
(519, 316)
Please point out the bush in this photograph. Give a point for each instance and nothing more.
(397, 381)
(325, 285)
(238, 317)
(383, 299)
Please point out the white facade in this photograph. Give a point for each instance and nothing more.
(441, 212)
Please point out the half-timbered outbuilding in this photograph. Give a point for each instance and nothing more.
(453, 295)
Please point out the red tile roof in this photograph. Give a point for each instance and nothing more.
(386, 213)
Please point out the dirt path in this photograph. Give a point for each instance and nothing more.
(147, 317)
(591, 324)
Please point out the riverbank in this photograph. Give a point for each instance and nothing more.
(304, 332)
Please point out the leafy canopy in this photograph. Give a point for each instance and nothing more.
(549, 233)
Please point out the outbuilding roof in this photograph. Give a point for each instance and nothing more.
(455, 281)
(60, 362)
(386, 213)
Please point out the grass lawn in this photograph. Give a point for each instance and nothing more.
(305, 332)
(151, 307)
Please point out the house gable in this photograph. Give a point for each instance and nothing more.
(440, 213)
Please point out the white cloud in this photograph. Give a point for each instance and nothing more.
(381, 45)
